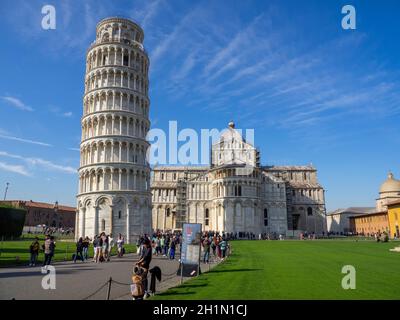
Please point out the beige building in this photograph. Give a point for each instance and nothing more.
(367, 220)
(338, 221)
(114, 175)
(236, 194)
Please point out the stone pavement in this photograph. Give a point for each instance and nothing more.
(79, 281)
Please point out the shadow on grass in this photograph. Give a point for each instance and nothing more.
(193, 285)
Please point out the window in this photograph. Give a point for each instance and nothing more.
(167, 192)
(103, 225)
(174, 176)
(174, 192)
(162, 176)
(309, 211)
(304, 176)
(265, 217)
(207, 218)
(119, 214)
(239, 191)
(293, 192)
(126, 60)
(168, 212)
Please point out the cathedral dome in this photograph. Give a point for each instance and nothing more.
(390, 185)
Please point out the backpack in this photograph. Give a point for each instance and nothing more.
(137, 288)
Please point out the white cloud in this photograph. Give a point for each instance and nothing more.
(38, 162)
(2, 136)
(67, 114)
(16, 103)
(14, 168)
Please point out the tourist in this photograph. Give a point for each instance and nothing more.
(222, 246)
(158, 245)
(144, 263)
(111, 244)
(34, 251)
(172, 249)
(104, 247)
(213, 245)
(96, 248)
(49, 248)
(79, 250)
(162, 244)
(206, 249)
(166, 246)
(120, 246)
(85, 248)
(217, 246)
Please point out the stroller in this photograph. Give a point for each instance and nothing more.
(137, 286)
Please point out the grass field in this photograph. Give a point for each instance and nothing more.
(298, 270)
(10, 250)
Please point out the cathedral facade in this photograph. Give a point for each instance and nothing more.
(235, 194)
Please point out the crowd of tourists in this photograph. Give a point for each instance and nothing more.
(103, 247)
(166, 244)
(215, 243)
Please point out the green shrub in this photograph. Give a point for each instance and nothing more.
(11, 222)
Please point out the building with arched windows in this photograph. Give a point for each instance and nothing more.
(114, 175)
(235, 194)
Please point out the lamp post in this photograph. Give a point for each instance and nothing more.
(5, 193)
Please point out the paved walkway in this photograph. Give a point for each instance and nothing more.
(79, 281)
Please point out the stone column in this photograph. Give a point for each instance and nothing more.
(96, 220)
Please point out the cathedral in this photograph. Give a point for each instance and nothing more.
(235, 194)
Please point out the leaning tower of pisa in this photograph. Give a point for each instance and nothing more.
(114, 175)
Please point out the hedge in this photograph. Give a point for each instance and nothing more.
(11, 222)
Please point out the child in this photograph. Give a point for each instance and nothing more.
(137, 288)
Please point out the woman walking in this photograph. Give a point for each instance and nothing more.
(79, 250)
(85, 248)
(96, 248)
(120, 246)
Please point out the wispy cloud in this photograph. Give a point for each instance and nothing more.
(2, 136)
(67, 114)
(14, 168)
(16, 103)
(39, 162)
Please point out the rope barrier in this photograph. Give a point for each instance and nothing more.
(165, 277)
(97, 291)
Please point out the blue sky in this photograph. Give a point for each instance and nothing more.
(313, 92)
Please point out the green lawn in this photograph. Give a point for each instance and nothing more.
(298, 270)
(10, 250)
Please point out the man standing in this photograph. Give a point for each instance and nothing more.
(206, 249)
(144, 263)
(48, 247)
(85, 245)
